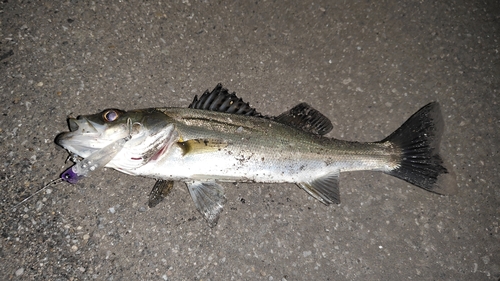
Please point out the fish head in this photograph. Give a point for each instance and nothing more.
(89, 133)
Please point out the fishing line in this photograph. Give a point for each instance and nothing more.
(52, 182)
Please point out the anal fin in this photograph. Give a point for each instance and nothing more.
(209, 199)
(160, 190)
(325, 189)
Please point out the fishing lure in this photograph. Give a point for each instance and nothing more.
(96, 160)
(82, 168)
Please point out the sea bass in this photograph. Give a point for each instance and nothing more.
(220, 138)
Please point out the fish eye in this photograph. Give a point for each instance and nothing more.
(110, 115)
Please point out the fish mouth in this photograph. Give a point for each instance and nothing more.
(82, 137)
(90, 133)
(84, 126)
(77, 127)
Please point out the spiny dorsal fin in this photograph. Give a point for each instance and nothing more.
(306, 118)
(222, 101)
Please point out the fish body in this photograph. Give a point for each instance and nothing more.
(225, 147)
(221, 139)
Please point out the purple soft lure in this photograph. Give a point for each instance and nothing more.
(70, 175)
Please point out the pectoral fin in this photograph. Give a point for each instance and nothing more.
(160, 191)
(209, 199)
(196, 146)
(325, 189)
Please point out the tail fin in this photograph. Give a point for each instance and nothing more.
(419, 138)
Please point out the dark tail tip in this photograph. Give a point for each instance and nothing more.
(419, 138)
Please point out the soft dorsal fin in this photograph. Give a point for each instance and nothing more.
(306, 118)
(219, 99)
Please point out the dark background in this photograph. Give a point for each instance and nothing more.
(367, 65)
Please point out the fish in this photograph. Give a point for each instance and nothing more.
(220, 138)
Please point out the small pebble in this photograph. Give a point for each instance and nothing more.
(20, 271)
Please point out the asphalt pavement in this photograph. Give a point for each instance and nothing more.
(366, 65)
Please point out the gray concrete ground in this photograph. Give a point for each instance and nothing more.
(367, 65)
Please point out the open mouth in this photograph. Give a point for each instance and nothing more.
(83, 125)
(78, 127)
